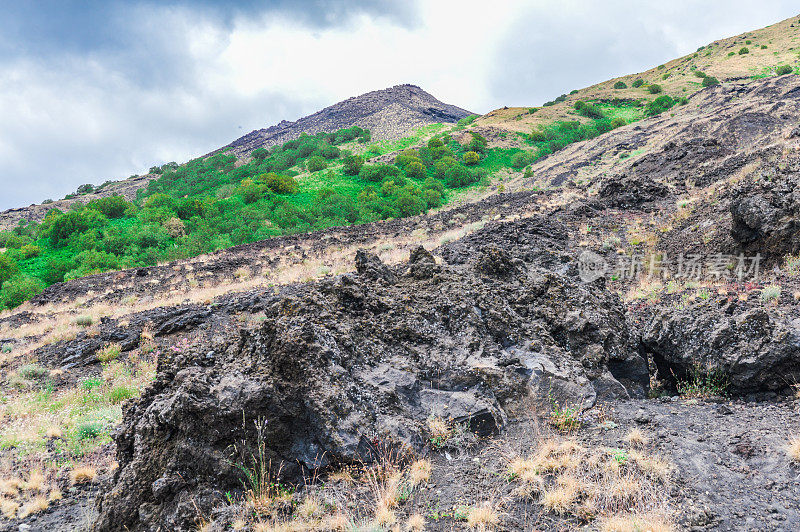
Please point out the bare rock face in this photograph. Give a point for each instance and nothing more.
(766, 214)
(387, 114)
(755, 349)
(345, 365)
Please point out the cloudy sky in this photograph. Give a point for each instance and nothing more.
(92, 90)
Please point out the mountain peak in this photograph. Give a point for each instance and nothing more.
(387, 113)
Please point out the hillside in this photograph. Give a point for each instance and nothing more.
(387, 114)
(592, 325)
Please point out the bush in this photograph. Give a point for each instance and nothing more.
(659, 105)
(457, 176)
(316, 163)
(710, 81)
(699, 73)
(435, 143)
(415, 170)
(654, 89)
(618, 122)
(352, 164)
(477, 143)
(85, 189)
(32, 371)
(620, 85)
(84, 321)
(783, 70)
(744, 51)
(471, 158)
(521, 159)
(589, 110)
(19, 289)
(70, 223)
(377, 172)
(259, 154)
(440, 169)
(175, 227)
(638, 83)
(280, 184)
(330, 152)
(8, 268)
(112, 207)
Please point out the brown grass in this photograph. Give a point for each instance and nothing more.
(483, 516)
(793, 449)
(82, 474)
(39, 504)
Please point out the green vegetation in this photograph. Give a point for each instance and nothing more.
(783, 70)
(620, 85)
(744, 50)
(654, 89)
(709, 81)
(309, 183)
(702, 384)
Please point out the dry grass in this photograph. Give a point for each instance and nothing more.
(416, 523)
(793, 449)
(385, 517)
(419, 472)
(637, 437)
(38, 504)
(483, 517)
(9, 508)
(82, 474)
(636, 523)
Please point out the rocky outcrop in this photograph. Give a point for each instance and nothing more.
(766, 214)
(348, 364)
(755, 349)
(387, 114)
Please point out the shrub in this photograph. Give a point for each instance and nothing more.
(477, 143)
(280, 184)
(471, 158)
(654, 89)
(85, 189)
(589, 110)
(316, 163)
(744, 50)
(19, 289)
(112, 207)
(330, 152)
(710, 81)
(699, 73)
(783, 70)
(352, 164)
(259, 154)
(377, 172)
(620, 85)
(440, 169)
(457, 176)
(70, 223)
(415, 170)
(662, 67)
(8, 268)
(638, 83)
(435, 143)
(659, 105)
(175, 227)
(771, 293)
(521, 159)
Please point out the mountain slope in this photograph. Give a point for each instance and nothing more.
(767, 49)
(387, 114)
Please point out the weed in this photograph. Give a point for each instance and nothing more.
(89, 430)
(771, 293)
(565, 418)
(702, 384)
(32, 371)
(109, 352)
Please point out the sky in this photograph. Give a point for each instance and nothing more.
(96, 90)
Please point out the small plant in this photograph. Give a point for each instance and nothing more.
(91, 383)
(700, 384)
(84, 321)
(7, 348)
(654, 89)
(710, 81)
(744, 50)
(771, 293)
(783, 70)
(32, 371)
(121, 393)
(638, 83)
(109, 352)
(89, 430)
(565, 418)
(471, 158)
(82, 475)
(620, 85)
(620, 456)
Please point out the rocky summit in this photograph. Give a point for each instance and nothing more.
(589, 325)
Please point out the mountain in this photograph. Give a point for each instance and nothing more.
(387, 114)
(579, 334)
